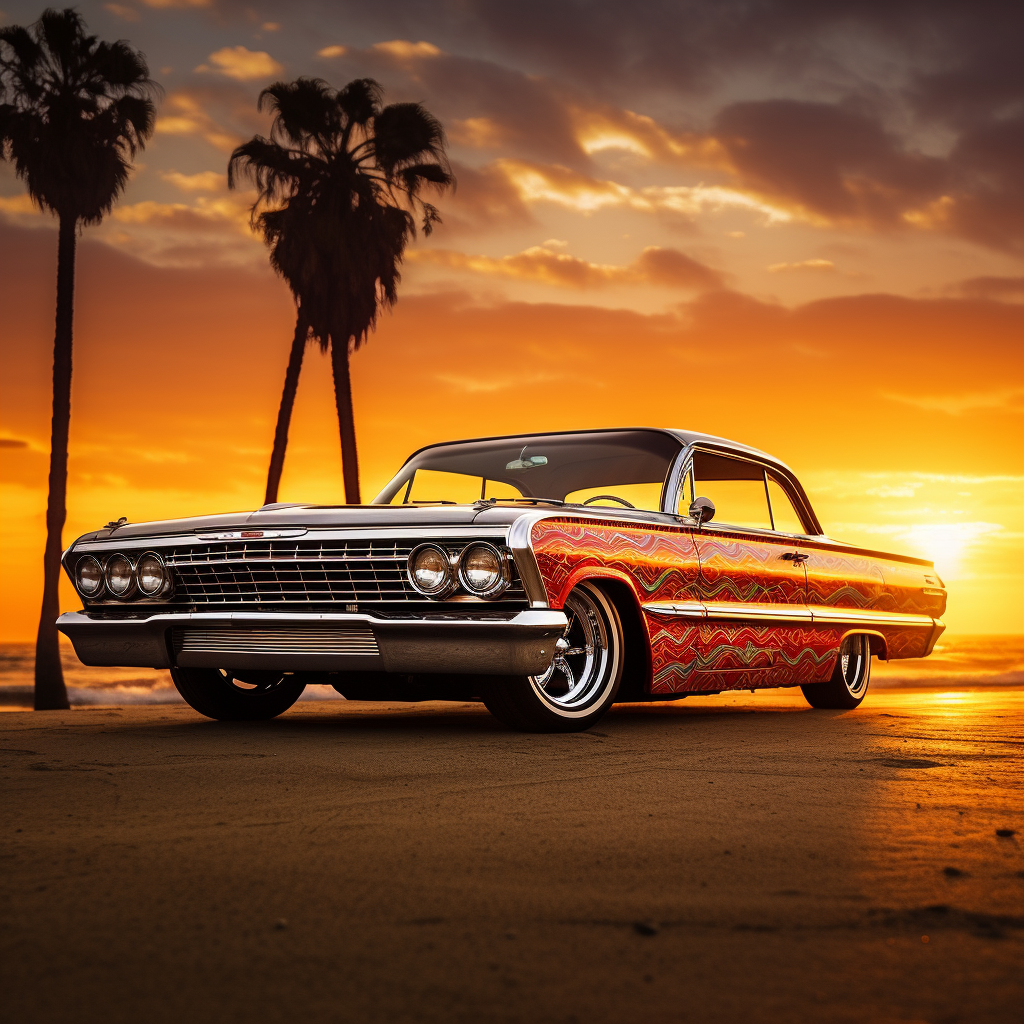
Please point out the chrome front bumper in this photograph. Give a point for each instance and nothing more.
(523, 644)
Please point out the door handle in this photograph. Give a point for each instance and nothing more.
(795, 556)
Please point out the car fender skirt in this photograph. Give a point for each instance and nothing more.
(522, 643)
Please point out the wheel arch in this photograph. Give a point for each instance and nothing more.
(877, 640)
(636, 666)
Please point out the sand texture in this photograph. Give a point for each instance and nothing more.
(735, 858)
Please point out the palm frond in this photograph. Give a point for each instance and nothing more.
(77, 111)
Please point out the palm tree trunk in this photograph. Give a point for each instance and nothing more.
(284, 414)
(50, 691)
(346, 420)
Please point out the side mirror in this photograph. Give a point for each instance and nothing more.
(702, 511)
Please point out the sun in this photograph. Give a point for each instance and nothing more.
(947, 543)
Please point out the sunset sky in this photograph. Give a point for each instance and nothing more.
(796, 224)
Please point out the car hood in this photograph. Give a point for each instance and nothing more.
(321, 517)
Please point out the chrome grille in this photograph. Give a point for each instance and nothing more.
(357, 640)
(299, 572)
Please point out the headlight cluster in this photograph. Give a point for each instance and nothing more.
(121, 577)
(480, 569)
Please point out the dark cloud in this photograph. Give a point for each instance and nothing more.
(831, 160)
(989, 166)
(675, 269)
(483, 104)
(1008, 289)
(947, 48)
(483, 199)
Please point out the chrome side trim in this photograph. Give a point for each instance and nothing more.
(758, 612)
(787, 613)
(682, 609)
(863, 617)
(520, 544)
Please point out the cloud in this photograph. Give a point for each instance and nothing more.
(164, 4)
(1008, 400)
(988, 167)
(12, 442)
(243, 64)
(484, 103)
(332, 51)
(122, 12)
(221, 112)
(606, 128)
(483, 200)
(204, 181)
(833, 163)
(207, 214)
(19, 206)
(814, 266)
(402, 49)
(1008, 289)
(586, 194)
(654, 266)
(895, 116)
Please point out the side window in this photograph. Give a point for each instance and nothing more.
(785, 517)
(736, 487)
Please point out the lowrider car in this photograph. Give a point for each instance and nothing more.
(546, 575)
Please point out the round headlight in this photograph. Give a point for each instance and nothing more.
(120, 576)
(151, 574)
(89, 576)
(430, 571)
(482, 570)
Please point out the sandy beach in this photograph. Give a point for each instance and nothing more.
(719, 859)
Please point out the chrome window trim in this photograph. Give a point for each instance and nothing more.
(789, 483)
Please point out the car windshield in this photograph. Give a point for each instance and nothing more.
(596, 467)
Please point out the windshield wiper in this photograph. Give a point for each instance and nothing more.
(488, 502)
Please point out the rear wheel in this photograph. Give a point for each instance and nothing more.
(583, 679)
(850, 678)
(237, 696)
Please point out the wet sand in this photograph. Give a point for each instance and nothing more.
(734, 858)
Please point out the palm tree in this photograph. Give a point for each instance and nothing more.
(74, 111)
(338, 184)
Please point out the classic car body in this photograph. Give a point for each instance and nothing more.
(674, 603)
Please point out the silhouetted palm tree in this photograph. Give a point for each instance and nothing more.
(74, 111)
(339, 181)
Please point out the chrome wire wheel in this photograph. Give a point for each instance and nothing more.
(584, 677)
(850, 677)
(579, 675)
(854, 655)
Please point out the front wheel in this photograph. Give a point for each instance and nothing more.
(850, 678)
(583, 679)
(231, 696)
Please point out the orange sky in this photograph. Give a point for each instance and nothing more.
(772, 259)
